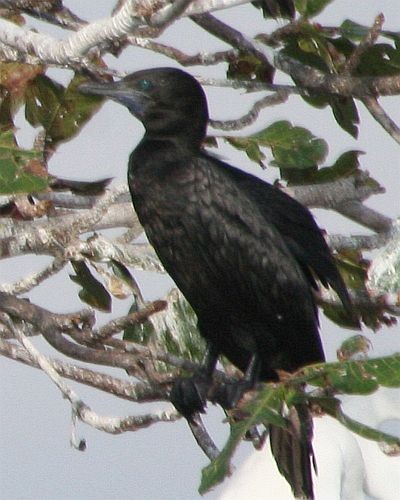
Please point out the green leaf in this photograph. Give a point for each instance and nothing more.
(353, 346)
(379, 60)
(123, 273)
(93, 292)
(276, 8)
(356, 377)
(249, 67)
(140, 333)
(332, 406)
(310, 8)
(264, 409)
(60, 111)
(353, 30)
(347, 164)
(291, 146)
(173, 330)
(356, 31)
(350, 377)
(14, 178)
(346, 114)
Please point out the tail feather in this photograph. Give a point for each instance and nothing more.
(293, 452)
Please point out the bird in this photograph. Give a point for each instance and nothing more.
(246, 255)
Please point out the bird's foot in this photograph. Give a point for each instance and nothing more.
(228, 395)
(189, 395)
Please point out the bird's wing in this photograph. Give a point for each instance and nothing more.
(253, 277)
(299, 229)
(243, 247)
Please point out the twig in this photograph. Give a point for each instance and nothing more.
(365, 216)
(53, 235)
(139, 392)
(369, 39)
(48, 11)
(376, 110)
(233, 37)
(113, 425)
(202, 438)
(29, 282)
(166, 16)
(252, 115)
(340, 242)
(202, 58)
(345, 196)
(35, 48)
(119, 324)
(317, 81)
(252, 86)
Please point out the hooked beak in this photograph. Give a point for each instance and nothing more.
(120, 92)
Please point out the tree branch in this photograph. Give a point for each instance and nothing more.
(139, 392)
(252, 115)
(29, 282)
(345, 196)
(380, 115)
(113, 425)
(202, 437)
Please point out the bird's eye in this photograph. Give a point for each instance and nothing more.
(145, 84)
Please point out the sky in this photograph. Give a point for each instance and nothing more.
(161, 463)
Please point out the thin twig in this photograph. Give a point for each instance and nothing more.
(252, 115)
(367, 42)
(202, 438)
(202, 58)
(252, 86)
(119, 324)
(29, 282)
(340, 242)
(112, 425)
(139, 392)
(380, 115)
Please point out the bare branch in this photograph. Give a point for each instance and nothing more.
(365, 44)
(113, 425)
(35, 48)
(252, 86)
(233, 37)
(345, 196)
(340, 242)
(29, 282)
(169, 14)
(202, 58)
(365, 216)
(323, 83)
(53, 236)
(116, 325)
(139, 392)
(202, 437)
(252, 115)
(380, 115)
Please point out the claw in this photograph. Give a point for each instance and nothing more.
(228, 395)
(189, 395)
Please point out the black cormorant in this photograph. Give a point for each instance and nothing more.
(244, 254)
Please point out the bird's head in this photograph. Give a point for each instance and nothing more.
(165, 100)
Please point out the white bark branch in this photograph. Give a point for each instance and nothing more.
(20, 43)
(112, 425)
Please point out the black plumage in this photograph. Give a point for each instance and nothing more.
(244, 254)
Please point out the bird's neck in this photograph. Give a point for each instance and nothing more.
(182, 129)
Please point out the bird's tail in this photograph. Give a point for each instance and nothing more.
(292, 449)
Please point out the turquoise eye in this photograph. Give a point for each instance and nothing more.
(145, 84)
